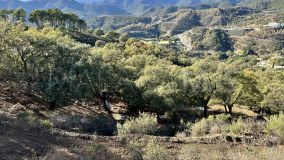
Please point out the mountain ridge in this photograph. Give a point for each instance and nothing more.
(110, 7)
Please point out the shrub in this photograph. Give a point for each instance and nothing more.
(97, 151)
(209, 125)
(184, 129)
(238, 127)
(200, 128)
(135, 149)
(154, 151)
(46, 123)
(29, 117)
(144, 124)
(254, 127)
(100, 43)
(275, 126)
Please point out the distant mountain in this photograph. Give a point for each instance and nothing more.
(108, 7)
(90, 1)
(91, 8)
(41, 4)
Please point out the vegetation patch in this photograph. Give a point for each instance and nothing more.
(144, 124)
(275, 127)
(214, 124)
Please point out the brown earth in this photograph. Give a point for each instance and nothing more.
(20, 140)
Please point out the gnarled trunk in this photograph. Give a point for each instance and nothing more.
(226, 109)
(230, 107)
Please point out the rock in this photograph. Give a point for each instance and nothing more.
(119, 117)
(16, 108)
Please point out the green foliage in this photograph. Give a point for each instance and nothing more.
(124, 37)
(271, 86)
(100, 43)
(135, 148)
(211, 39)
(19, 15)
(205, 126)
(51, 63)
(46, 123)
(204, 83)
(275, 126)
(28, 117)
(97, 151)
(31, 119)
(112, 36)
(99, 32)
(163, 86)
(217, 40)
(184, 128)
(56, 18)
(237, 127)
(144, 124)
(154, 151)
(232, 86)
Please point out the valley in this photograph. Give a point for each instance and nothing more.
(141, 79)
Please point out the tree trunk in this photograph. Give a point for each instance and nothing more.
(226, 109)
(205, 111)
(52, 106)
(230, 109)
(105, 102)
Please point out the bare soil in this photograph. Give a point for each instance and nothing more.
(18, 140)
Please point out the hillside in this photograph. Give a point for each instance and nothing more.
(70, 137)
(172, 20)
(141, 80)
(134, 8)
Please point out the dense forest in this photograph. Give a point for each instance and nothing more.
(167, 85)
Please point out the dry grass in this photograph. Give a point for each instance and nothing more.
(236, 109)
(227, 152)
(60, 154)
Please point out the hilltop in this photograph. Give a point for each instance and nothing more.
(116, 7)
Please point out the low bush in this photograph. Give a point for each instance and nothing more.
(46, 123)
(96, 151)
(28, 117)
(144, 124)
(184, 129)
(154, 151)
(200, 128)
(255, 127)
(135, 150)
(213, 124)
(275, 126)
(237, 127)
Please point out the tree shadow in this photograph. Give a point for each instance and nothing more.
(19, 140)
